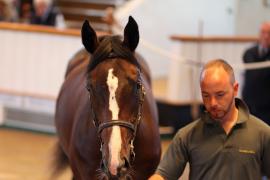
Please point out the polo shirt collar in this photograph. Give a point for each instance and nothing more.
(243, 113)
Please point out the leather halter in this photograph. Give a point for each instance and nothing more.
(123, 123)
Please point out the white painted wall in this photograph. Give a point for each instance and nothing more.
(249, 15)
(158, 19)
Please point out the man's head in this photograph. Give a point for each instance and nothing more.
(265, 35)
(41, 6)
(2, 9)
(218, 88)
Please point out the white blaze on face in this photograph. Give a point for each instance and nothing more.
(115, 140)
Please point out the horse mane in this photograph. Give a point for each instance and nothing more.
(111, 47)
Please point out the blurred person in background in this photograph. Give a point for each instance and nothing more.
(45, 13)
(8, 11)
(114, 26)
(256, 89)
(25, 8)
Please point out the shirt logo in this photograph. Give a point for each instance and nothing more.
(245, 151)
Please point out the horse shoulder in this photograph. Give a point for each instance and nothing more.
(68, 100)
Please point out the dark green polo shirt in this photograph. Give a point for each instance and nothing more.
(243, 154)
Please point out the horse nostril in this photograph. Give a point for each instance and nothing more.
(122, 170)
(126, 163)
(128, 177)
(103, 166)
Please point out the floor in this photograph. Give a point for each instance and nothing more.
(26, 155)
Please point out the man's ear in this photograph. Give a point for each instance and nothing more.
(89, 37)
(131, 34)
(235, 88)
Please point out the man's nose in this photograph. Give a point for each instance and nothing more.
(213, 101)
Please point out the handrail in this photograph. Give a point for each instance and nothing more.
(178, 103)
(42, 29)
(214, 38)
(26, 94)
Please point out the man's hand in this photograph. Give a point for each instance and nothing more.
(156, 177)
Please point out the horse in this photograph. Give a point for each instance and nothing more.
(106, 116)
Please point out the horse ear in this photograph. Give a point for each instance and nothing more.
(89, 37)
(131, 34)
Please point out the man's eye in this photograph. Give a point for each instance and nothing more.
(205, 96)
(220, 94)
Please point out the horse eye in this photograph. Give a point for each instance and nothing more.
(88, 87)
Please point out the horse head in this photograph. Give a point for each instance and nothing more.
(116, 96)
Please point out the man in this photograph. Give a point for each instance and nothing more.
(7, 11)
(256, 89)
(46, 14)
(226, 143)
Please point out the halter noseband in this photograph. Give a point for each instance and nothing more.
(116, 123)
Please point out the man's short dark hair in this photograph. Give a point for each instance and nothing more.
(217, 63)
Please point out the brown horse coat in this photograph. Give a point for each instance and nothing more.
(78, 137)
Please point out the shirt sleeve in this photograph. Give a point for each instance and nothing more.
(266, 156)
(174, 160)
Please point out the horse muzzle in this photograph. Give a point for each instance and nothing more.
(120, 172)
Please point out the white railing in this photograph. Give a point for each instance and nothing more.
(34, 62)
